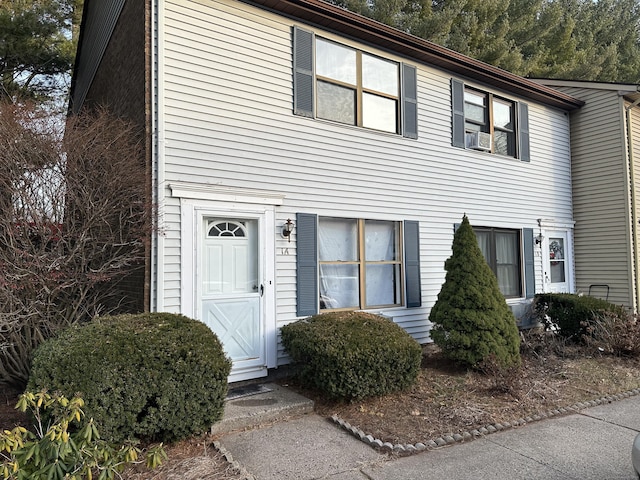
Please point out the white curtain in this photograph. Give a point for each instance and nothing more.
(340, 283)
(381, 280)
(507, 263)
(338, 242)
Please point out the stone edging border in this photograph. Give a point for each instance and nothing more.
(235, 465)
(411, 448)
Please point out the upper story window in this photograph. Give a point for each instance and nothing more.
(356, 88)
(484, 121)
(336, 82)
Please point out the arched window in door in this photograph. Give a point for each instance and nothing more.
(226, 228)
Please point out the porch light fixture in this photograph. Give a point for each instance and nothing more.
(287, 228)
(539, 237)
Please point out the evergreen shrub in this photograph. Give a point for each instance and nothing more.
(352, 355)
(153, 376)
(471, 318)
(572, 314)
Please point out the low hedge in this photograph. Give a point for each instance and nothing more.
(572, 314)
(154, 376)
(352, 355)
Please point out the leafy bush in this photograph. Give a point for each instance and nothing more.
(571, 314)
(471, 318)
(156, 376)
(67, 447)
(614, 334)
(352, 355)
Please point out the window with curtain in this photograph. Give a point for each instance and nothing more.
(344, 84)
(501, 249)
(356, 88)
(359, 263)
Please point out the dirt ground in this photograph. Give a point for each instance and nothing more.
(448, 400)
(445, 400)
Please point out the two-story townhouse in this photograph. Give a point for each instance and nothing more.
(605, 144)
(304, 159)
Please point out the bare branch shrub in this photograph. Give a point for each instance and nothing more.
(73, 222)
(613, 334)
(501, 378)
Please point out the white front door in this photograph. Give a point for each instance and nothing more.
(556, 263)
(231, 291)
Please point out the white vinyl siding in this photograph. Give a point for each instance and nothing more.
(229, 122)
(602, 237)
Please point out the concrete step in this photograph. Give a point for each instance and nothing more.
(252, 410)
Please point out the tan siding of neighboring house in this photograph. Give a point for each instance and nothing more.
(601, 195)
(635, 180)
(228, 114)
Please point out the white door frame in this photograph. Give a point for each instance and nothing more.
(566, 234)
(193, 213)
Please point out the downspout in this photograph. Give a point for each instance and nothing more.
(634, 210)
(157, 106)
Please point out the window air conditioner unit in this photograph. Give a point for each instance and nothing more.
(479, 141)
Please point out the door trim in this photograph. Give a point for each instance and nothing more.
(546, 262)
(193, 214)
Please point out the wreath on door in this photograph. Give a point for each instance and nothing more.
(555, 252)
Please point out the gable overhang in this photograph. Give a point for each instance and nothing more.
(366, 30)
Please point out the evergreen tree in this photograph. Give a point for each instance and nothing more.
(471, 318)
(591, 40)
(37, 47)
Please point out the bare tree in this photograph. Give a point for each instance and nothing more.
(74, 224)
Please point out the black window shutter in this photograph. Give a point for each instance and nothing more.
(457, 101)
(529, 267)
(307, 264)
(302, 72)
(523, 130)
(409, 102)
(412, 263)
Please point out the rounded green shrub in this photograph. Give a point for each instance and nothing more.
(352, 355)
(153, 376)
(472, 321)
(572, 314)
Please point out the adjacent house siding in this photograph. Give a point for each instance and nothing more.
(635, 181)
(601, 195)
(229, 122)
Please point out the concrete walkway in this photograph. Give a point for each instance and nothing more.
(594, 443)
